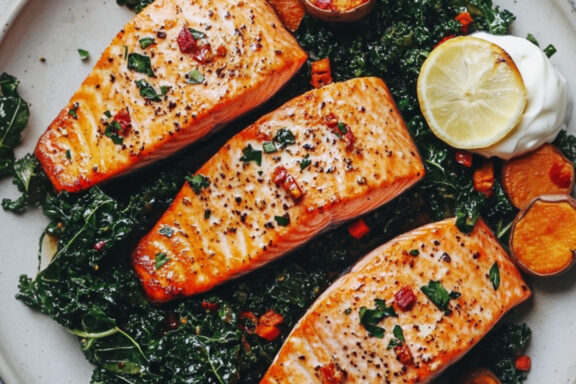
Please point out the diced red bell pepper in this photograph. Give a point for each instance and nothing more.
(405, 298)
(358, 229)
(465, 19)
(464, 158)
(523, 363)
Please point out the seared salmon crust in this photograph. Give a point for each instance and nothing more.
(331, 341)
(324, 157)
(173, 73)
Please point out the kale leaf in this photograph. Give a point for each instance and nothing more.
(31, 181)
(501, 347)
(14, 115)
(134, 5)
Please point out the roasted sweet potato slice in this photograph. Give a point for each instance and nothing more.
(544, 171)
(291, 12)
(543, 238)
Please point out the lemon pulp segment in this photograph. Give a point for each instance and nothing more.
(471, 92)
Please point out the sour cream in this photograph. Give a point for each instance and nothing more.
(549, 102)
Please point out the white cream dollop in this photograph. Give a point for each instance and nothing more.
(549, 102)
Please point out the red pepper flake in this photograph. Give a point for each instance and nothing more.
(331, 374)
(331, 120)
(405, 298)
(341, 130)
(188, 44)
(561, 174)
(202, 53)
(221, 51)
(122, 117)
(465, 20)
(99, 245)
(349, 138)
(208, 306)
(464, 158)
(523, 363)
(287, 181)
(403, 354)
(186, 41)
(358, 229)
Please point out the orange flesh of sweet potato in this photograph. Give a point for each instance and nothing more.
(291, 12)
(544, 171)
(543, 239)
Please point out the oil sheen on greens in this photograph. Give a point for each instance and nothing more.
(14, 114)
(90, 288)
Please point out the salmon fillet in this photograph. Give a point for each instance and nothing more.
(326, 156)
(330, 341)
(176, 71)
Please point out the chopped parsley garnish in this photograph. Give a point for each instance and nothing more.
(107, 114)
(530, 37)
(282, 221)
(112, 131)
(439, 295)
(68, 154)
(495, 276)
(197, 34)
(198, 182)
(305, 162)
(73, 111)
(194, 77)
(550, 50)
(370, 318)
(342, 128)
(284, 137)
(251, 154)
(414, 252)
(160, 259)
(269, 147)
(207, 213)
(140, 63)
(148, 92)
(145, 42)
(398, 337)
(166, 231)
(84, 54)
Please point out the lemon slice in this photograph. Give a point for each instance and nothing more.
(471, 92)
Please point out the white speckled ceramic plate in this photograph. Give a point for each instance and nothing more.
(9, 9)
(34, 349)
